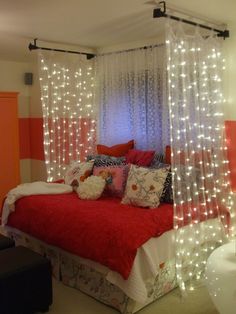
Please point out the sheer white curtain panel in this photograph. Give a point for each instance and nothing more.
(67, 96)
(200, 175)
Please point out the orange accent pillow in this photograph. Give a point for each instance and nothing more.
(168, 155)
(118, 150)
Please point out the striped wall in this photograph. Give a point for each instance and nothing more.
(31, 138)
(230, 130)
(31, 123)
(31, 149)
(31, 146)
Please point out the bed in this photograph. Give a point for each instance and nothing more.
(121, 255)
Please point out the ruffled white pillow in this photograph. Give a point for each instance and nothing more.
(91, 188)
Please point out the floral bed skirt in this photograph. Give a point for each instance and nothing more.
(73, 272)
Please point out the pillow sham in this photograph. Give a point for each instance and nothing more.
(104, 160)
(118, 150)
(115, 177)
(144, 186)
(78, 172)
(139, 157)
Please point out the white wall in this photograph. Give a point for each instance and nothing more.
(38, 167)
(12, 79)
(35, 101)
(230, 74)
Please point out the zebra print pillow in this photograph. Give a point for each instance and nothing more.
(105, 160)
(157, 159)
(167, 193)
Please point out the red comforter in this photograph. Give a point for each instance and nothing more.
(103, 230)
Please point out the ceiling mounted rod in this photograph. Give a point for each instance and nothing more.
(34, 47)
(161, 12)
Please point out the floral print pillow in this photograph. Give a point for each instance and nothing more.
(144, 186)
(78, 172)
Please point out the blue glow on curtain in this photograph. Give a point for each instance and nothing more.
(130, 97)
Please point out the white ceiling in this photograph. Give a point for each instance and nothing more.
(91, 23)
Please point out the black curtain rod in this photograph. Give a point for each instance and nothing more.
(131, 49)
(34, 47)
(161, 12)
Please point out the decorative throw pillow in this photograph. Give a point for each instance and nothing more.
(91, 188)
(139, 157)
(156, 160)
(78, 172)
(104, 160)
(167, 193)
(118, 150)
(144, 186)
(115, 177)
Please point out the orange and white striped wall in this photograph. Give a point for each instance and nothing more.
(32, 167)
(31, 122)
(31, 134)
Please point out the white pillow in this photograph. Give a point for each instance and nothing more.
(91, 188)
(78, 171)
(144, 186)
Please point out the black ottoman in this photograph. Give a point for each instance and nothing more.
(25, 282)
(6, 242)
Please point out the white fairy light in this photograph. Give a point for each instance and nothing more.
(189, 86)
(67, 99)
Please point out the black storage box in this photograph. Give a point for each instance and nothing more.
(6, 242)
(25, 282)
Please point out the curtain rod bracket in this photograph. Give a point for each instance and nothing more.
(224, 34)
(161, 12)
(34, 47)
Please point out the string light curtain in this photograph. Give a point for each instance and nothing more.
(130, 95)
(202, 195)
(67, 84)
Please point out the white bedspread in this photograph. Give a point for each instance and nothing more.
(27, 189)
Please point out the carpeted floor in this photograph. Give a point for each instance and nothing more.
(71, 301)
